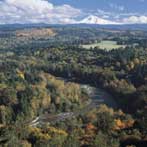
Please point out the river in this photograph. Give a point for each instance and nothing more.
(100, 94)
(95, 93)
(97, 96)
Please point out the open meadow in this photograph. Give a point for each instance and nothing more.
(105, 44)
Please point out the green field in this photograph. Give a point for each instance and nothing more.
(106, 44)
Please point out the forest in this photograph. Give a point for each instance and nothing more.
(42, 102)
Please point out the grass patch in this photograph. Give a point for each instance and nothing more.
(105, 44)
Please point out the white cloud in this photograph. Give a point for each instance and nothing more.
(135, 20)
(36, 11)
(42, 11)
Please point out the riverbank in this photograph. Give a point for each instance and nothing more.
(94, 92)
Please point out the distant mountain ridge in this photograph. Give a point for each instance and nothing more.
(108, 26)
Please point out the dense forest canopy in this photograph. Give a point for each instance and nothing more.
(42, 69)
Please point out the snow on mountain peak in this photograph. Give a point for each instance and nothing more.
(92, 19)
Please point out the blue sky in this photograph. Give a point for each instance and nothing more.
(73, 11)
(107, 5)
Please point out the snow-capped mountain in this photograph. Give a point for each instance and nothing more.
(91, 19)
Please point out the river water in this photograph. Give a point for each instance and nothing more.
(99, 94)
